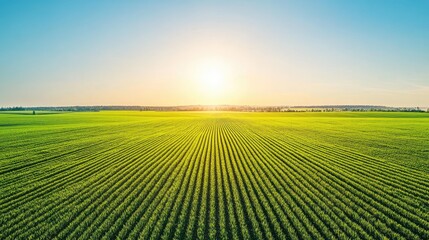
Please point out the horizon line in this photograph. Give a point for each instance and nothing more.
(217, 105)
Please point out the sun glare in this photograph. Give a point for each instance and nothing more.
(213, 76)
(213, 79)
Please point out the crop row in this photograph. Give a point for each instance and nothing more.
(204, 178)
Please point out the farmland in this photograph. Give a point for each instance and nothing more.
(214, 175)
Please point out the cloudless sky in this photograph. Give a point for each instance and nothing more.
(55, 53)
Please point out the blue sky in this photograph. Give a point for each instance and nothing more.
(270, 52)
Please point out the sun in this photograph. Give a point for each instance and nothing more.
(213, 76)
(213, 79)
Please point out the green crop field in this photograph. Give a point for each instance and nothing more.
(214, 175)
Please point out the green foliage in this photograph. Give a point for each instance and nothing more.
(214, 175)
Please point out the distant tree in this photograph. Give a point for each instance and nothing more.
(34, 112)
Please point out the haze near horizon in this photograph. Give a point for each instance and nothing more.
(214, 52)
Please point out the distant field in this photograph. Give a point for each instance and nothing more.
(214, 175)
